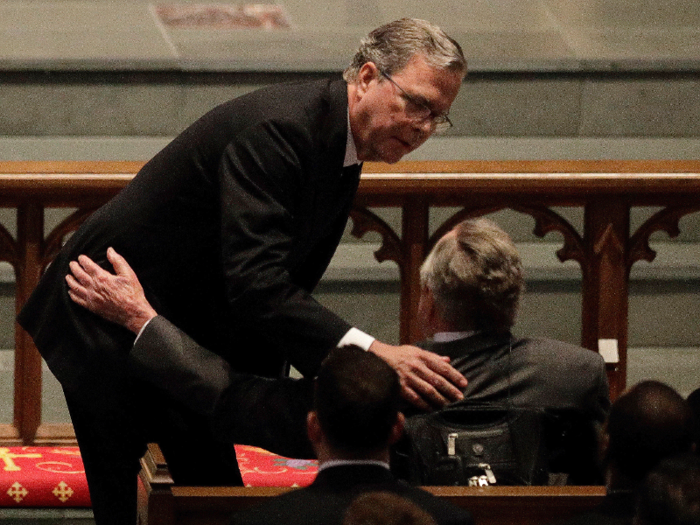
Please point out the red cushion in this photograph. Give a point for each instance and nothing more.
(42, 477)
(55, 477)
(260, 468)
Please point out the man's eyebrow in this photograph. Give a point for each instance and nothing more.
(422, 100)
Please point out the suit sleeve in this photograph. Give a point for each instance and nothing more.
(243, 408)
(169, 359)
(262, 184)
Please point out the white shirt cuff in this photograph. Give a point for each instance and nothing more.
(142, 329)
(358, 338)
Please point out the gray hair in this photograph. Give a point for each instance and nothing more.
(391, 46)
(476, 277)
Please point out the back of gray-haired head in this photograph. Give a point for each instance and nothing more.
(475, 275)
(391, 46)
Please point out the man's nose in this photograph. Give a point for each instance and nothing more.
(426, 126)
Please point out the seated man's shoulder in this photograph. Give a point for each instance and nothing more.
(564, 375)
(558, 352)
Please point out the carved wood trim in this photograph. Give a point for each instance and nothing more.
(548, 221)
(8, 247)
(456, 218)
(664, 220)
(364, 221)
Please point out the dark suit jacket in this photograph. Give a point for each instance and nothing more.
(229, 228)
(567, 382)
(326, 499)
(541, 373)
(615, 509)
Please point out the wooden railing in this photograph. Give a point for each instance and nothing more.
(605, 249)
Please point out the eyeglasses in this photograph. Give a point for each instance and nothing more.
(419, 111)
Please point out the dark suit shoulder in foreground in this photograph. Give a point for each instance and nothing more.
(324, 502)
(615, 509)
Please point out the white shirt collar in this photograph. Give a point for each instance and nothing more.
(350, 150)
(446, 337)
(346, 462)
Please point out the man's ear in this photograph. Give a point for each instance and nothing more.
(313, 427)
(429, 297)
(367, 73)
(397, 428)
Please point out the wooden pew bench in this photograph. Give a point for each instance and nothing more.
(161, 502)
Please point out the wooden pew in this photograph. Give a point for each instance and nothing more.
(161, 502)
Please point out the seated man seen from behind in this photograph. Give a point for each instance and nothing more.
(471, 283)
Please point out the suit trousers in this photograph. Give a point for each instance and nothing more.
(113, 433)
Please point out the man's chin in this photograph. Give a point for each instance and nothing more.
(388, 155)
(392, 157)
(382, 158)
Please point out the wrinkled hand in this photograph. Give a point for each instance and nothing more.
(118, 298)
(427, 379)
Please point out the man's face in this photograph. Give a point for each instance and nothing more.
(380, 111)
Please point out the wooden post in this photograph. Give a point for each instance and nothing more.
(155, 497)
(604, 287)
(27, 406)
(414, 240)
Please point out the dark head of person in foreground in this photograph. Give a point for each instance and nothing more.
(356, 407)
(670, 494)
(649, 422)
(693, 400)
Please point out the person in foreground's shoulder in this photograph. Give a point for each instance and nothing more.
(385, 508)
(354, 421)
(647, 424)
(670, 494)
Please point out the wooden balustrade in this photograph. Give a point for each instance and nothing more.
(606, 249)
